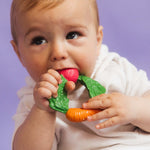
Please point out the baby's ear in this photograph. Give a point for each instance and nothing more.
(15, 47)
(99, 37)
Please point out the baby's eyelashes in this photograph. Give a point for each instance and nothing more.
(38, 40)
(73, 35)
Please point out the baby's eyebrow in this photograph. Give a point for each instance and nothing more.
(32, 29)
(69, 26)
(77, 26)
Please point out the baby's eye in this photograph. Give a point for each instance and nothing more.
(38, 41)
(72, 35)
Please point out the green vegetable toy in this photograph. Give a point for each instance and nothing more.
(61, 103)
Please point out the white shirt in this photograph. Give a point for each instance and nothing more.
(116, 74)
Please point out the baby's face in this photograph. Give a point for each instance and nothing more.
(62, 37)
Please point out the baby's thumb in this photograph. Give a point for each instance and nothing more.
(70, 86)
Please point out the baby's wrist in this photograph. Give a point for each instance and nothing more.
(43, 110)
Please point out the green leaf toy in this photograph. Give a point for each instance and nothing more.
(61, 102)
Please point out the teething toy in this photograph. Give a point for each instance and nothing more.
(79, 114)
(71, 74)
(61, 102)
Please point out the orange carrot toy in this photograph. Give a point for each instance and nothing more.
(61, 102)
(79, 114)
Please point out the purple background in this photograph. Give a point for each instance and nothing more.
(126, 31)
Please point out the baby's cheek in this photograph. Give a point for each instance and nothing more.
(88, 68)
(86, 62)
(36, 73)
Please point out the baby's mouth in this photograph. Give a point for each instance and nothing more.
(71, 74)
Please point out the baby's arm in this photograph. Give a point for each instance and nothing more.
(121, 109)
(37, 131)
(143, 119)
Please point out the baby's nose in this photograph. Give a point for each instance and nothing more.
(58, 52)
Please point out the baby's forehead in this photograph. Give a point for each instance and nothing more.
(61, 15)
(28, 5)
(75, 11)
(21, 6)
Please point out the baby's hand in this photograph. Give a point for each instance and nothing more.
(116, 108)
(46, 88)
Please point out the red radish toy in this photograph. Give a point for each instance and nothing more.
(70, 74)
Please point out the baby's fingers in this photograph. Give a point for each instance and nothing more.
(48, 88)
(101, 96)
(70, 86)
(95, 104)
(55, 74)
(108, 113)
(108, 123)
(44, 93)
(52, 77)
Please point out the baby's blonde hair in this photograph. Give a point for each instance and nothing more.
(19, 6)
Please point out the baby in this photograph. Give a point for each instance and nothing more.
(51, 35)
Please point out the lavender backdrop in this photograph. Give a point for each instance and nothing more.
(126, 31)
